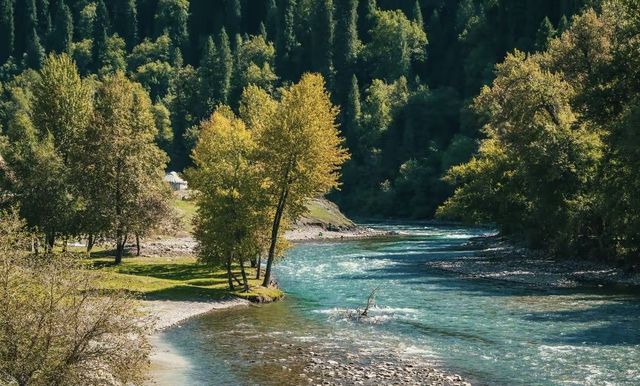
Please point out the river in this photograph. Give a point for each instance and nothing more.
(489, 331)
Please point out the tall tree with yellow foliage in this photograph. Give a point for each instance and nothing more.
(300, 149)
(233, 211)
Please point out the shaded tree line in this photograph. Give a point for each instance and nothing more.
(558, 163)
(79, 157)
(402, 72)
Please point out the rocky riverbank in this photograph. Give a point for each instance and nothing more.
(498, 259)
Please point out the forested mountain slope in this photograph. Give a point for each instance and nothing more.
(403, 72)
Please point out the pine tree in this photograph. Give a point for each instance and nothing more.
(100, 35)
(352, 116)
(263, 31)
(545, 33)
(34, 55)
(417, 14)
(172, 17)
(62, 33)
(126, 22)
(322, 38)
(25, 13)
(234, 16)
(207, 79)
(563, 25)
(287, 43)
(271, 21)
(44, 18)
(365, 23)
(226, 67)
(6, 30)
(345, 45)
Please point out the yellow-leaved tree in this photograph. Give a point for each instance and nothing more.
(299, 147)
(233, 209)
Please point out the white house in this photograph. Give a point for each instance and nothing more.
(177, 183)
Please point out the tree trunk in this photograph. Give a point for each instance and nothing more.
(90, 241)
(50, 240)
(36, 245)
(253, 262)
(245, 282)
(120, 242)
(230, 274)
(258, 267)
(274, 237)
(137, 244)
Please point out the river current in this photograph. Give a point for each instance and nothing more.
(489, 331)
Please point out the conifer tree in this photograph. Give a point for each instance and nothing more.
(172, 17)
(207, 78)
(34, 56)
(287, 43)
(563, 24)
(545, 33)
(225, 67)
(43, 15)
(25, 13)
(101, 28)
(346, 45)
(322, 38)
(271, 21)
(6, 30)
(126, 22)
(417, 14)
(367, 20)
(352, 115)
(62, 32)
(233, 9)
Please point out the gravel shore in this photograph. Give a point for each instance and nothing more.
(498, 259)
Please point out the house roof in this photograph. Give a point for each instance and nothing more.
(174, 178)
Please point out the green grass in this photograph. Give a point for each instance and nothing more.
(175, 279)
(321, 212)
(187, 210)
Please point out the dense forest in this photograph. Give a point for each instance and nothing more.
(406, 76)
(403, 72)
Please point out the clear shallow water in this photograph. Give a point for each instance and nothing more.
(492, 332)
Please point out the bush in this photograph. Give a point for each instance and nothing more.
(56, 328)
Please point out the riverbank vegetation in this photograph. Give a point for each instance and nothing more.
(558, 159)
(255, 172)
(57, 326)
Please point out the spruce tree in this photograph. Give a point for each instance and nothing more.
(563, 25)
(322, 38)
(43, 15)
(545, 33)
(365, 23)
(287, 43)
(207, 79)
(271, 21)
(345, 45)
(25, 20)
(225, 68)
(100, 34)
(233, 9)
(352, 116)
(62, 33)
(126, 22)
(417, 14)
(6, 30)
(34, 55)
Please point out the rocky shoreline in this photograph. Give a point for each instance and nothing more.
(495, 258)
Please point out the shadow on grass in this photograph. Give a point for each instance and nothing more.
(182, 292)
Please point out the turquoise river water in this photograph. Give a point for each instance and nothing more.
(489, 331)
